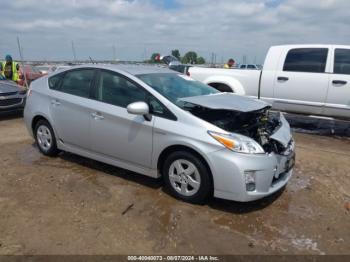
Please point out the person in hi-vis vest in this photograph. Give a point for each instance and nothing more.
(10, 69)
(230, 63)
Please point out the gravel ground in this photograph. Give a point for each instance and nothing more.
(73, 205)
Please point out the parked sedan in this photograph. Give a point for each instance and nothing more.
(12, 96)
(250, 66)
(46, 69)
(157, 122)
(31, 72)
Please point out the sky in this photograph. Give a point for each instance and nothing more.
(137, 28)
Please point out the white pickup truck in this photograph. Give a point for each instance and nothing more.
(309, 79)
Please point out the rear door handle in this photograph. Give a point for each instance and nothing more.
(282, 78)
(55, 102)
(339, 82)
(97, 116)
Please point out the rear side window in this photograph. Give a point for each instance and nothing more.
(342, 61)
(251, 66)
(243, 66)
(54, 81)
(78, 82)
(311, 60)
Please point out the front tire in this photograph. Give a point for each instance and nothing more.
(45, 138)
(187, 178)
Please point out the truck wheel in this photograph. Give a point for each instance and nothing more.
(187, 178)
(45, 138)
(222, 88)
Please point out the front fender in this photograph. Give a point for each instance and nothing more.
(230, 81)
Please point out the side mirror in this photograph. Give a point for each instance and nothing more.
(139, 108)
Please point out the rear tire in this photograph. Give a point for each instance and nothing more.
(45, 138)
(187, 178)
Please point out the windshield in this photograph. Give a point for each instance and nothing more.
(176, 86)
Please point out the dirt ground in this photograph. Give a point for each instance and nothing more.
(73, 205)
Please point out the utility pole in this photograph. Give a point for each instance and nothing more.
(244, 59)
(212, 59)
(22, 65)
(114, 53)
(73, 50)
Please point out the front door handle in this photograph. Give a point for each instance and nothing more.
(282, 78)
(55, 102)
(339, 82)
(97, 116)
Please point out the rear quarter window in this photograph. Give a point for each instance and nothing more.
(54, 81)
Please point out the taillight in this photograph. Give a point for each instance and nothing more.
(29, 92)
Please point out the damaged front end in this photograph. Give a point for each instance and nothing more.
(252, 118)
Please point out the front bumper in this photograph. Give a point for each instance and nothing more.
(12, 103)
(271, 171)
(271, 174)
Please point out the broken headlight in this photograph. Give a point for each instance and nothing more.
(238, 143)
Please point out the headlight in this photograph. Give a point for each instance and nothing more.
(238, 143)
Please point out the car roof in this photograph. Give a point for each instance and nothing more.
(131, 69)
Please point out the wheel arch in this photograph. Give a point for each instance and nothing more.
(39, 117)
(175, 148)
(36, 119)
(228, 83)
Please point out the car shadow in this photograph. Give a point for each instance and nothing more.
(244, 207)
(112, 170)
(4, 116)
(318, 126)
(228, 206)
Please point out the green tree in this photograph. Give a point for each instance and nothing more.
(154, 58)
(176, 53)
(200, 60)
(190, 58)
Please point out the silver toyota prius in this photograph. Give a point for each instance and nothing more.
(158, 122)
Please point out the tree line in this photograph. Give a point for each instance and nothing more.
(190, 57)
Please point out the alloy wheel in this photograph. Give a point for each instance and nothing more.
(44, 137)
(184, 177)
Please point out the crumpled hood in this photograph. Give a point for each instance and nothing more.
(8, 87)
(227, 101)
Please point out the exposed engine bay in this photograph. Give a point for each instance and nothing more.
(258, 125)
(245, 116)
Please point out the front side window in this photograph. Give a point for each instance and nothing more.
(117, 90)
(312, 60)
(78, 82)
(342, 61)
